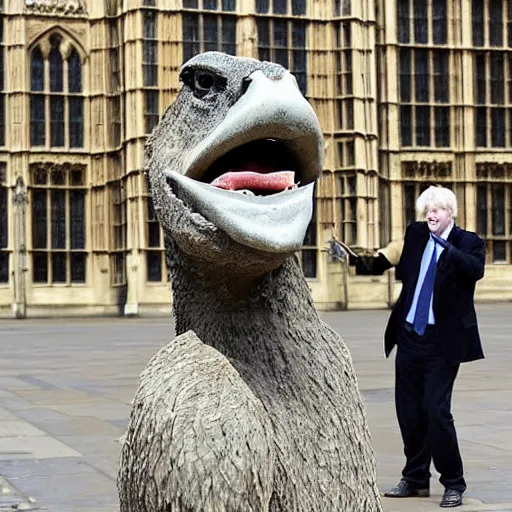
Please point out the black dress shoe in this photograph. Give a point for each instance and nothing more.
(406, 490)
(451, 498)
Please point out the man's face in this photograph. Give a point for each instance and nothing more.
(438, 219)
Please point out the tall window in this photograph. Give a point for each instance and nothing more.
(385, 214)
(4, 226)
(155, 253)
(155, 256)
(309, 253)
(151, 110)
(422, 22)
(346, 192)
(345, 186)
(204, 32)
(150, 68)
(117, 219)
(492, 23)
(284, 42)
(2, 84)
(424, 97)
(494, 210)
(114, 84)
(58, 224)
(118, 202)
(150, 48)
(345, 153)
(344, 84)
(418, 176)
(56, 100)
(493, 99)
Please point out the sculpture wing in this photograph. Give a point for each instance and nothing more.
(198, 439)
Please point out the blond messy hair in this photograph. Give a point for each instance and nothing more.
(437, 197)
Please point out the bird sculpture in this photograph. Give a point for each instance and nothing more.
(254, 406)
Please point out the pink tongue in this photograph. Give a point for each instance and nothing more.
(240, 180)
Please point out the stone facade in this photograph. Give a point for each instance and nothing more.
(407, 95)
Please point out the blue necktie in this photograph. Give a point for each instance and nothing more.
(423, 305)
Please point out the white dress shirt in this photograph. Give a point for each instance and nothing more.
(425, 262)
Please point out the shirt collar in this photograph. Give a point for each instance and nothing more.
(446, 233)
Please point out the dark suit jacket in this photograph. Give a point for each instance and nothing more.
(459, 268)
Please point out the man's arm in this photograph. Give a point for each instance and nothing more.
(393, 251)
(385, 258)
(470, 263)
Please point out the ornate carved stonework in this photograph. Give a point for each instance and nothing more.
(57, 7)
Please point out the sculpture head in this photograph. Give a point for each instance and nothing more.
(232, 163)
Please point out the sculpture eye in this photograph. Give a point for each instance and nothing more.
(202, 81)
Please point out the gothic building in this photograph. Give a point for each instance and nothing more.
(408, 93)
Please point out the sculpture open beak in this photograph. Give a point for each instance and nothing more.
(253, 176)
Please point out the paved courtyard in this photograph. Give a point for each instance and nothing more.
(65, 388)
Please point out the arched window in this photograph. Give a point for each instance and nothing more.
(56, 96)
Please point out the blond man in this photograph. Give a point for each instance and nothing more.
(434, 327)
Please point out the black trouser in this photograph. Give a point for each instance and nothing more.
(423, 393)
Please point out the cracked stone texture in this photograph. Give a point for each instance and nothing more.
(65, 388)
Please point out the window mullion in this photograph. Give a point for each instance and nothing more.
(271, 40)
(430, 31)
(489, 210)
(413, 98)
(67, 221)
(289, 35)
(49, 221)
(67, 124)
(47, 109)
(65, 101)
(411, 21)
(506, 208)
(218, 22)
(431, 92)
(486, 22)
(488, 92)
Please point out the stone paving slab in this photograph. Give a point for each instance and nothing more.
(34, 447)
(66, 387)
(11, 499)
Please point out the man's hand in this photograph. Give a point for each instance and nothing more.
(441, 241)
(353, 259)
(471, 261)
(373, 265)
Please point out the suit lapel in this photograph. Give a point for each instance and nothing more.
(441, 273)
(453, 238)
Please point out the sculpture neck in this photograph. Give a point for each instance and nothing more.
(244, 318)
